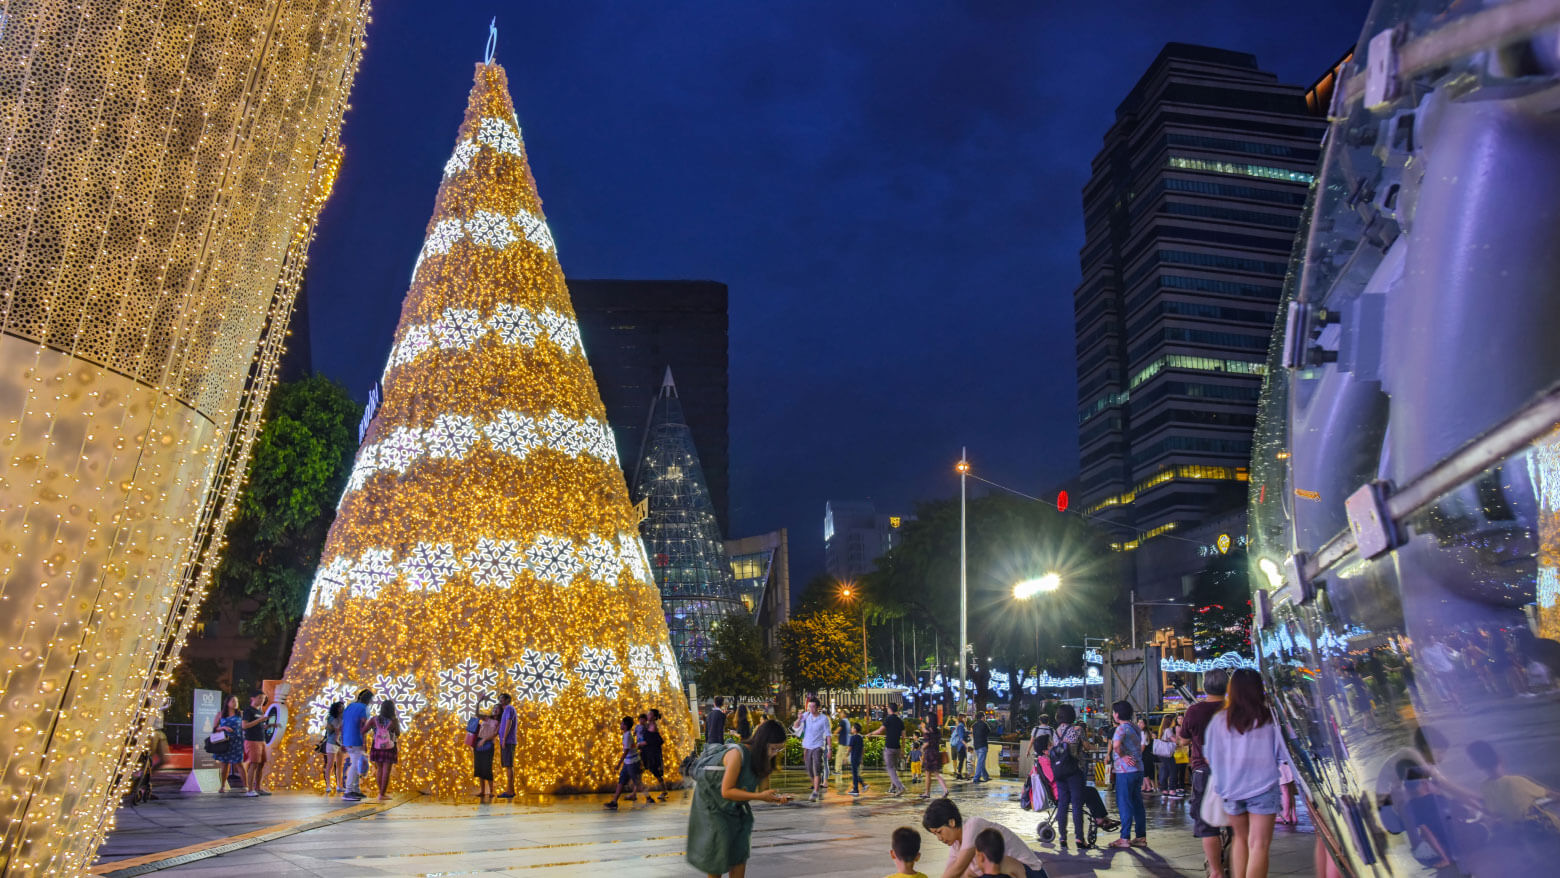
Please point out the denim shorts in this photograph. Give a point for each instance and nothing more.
(1265, 802)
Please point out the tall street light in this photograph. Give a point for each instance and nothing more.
(963, 468)
(848, 593)
(1027, 589)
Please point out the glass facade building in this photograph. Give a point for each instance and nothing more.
(1189, 217)
(634, 330)
(682, 536)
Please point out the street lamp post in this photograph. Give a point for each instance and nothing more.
(847, 594)
(963, 468)
(1027, 589)
(1137, 603)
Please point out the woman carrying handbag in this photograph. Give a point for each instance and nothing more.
(1244, 748)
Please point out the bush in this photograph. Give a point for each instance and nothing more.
(792, 754)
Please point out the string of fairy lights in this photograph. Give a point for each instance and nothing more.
(487, 542)
(153, 263)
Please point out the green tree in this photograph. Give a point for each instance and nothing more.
(1009, 539)
(737, 662)
(300, 463)
(819, 651)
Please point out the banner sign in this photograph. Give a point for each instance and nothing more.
(208, 704)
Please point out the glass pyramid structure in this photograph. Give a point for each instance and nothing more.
(687, 557)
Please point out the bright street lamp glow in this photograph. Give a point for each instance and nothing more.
(1031, 587)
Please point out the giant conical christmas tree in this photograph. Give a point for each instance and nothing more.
(486, 542)
(687, 556)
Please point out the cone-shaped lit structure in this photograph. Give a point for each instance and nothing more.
(687, 556)
(486, 542)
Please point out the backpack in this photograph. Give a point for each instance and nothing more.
(1064, 762)
(708, 773)
(384, 739)
(471, 731)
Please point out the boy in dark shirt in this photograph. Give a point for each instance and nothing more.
(990, 850)
(856, 747)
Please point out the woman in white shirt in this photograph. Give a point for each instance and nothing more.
(1244, 747)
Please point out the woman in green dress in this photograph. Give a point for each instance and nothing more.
(720, 821)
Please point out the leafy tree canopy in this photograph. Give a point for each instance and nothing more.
(820, 651)
(737, 662)
(300, 463)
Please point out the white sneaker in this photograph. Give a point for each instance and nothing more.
(813, 797)
(251, 795)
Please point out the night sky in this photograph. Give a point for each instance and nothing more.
(891, 191)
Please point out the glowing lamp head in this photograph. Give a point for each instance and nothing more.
(962, 467)
(1031, 587)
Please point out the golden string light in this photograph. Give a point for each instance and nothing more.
(507, 563)
(161, 171)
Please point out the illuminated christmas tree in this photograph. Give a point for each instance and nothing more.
(486, 541)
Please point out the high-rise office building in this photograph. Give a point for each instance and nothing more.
(1189, 218)
(634, 330)
(854, 535)
(761, 566)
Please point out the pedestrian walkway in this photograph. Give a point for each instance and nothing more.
(572, 835)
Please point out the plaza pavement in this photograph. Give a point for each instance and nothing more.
(299, 834)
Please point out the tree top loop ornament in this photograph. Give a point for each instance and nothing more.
(492, 41)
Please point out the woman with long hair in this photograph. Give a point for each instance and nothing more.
(720, 819)
(744, 723)
(231, 723)
(333, 748)
(1244, 747)
(931, 760)
(384, 731)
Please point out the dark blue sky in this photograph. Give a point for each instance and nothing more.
(890, 189)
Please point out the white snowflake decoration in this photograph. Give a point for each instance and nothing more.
(451, 436)
(553, 559)
(600, 672)
(495, 562)
(514, 325)
(319, 705)
(563, 331)
(600, 557)
(669, 667)
(535, 230)
(646, 668)
(371, 572)
(465, 151)
(442, 238)
(329, 582)
(498, 134)
(539, 676)
(403, 691)
(418, 339)
(490, 229)
(603, 443)
(560, 433)
(633, 554)
(429, 566)
(367, 464)
(460, 686)
(513, 433)
(459, 328)
(402, 447)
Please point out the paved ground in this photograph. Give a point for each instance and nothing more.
(574, 836)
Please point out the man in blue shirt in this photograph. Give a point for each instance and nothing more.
(507, 720)
(352, 720)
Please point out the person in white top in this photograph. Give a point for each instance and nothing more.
(1244, 747)
(942, 819)
(813, 725)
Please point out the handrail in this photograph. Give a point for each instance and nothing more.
(1529, 423)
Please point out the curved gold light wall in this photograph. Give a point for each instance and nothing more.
(161, 169)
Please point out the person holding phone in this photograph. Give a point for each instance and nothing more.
(720, 819)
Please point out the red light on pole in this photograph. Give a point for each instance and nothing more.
(1061, 501)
